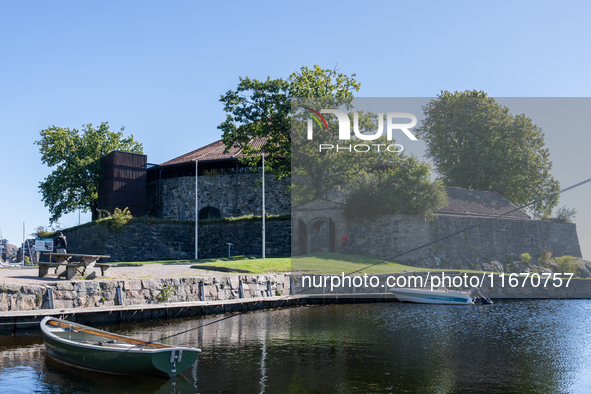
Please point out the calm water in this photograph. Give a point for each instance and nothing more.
(541, 346)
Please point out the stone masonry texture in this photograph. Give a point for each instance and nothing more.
(232, 195)
(138, 241)
(394, 236)
(499, 239)
(84, 294)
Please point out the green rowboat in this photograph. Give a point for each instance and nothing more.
(86, 347)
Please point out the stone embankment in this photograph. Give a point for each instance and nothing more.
(81, 294)
(109, 293)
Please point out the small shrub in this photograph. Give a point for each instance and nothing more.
(27, 260)
(41, 232)
(166, 293)
(120, 218)
(545, 255)
(564, 214)
(525, 258)
(222, 285)
(103, 214)
(117, 220)
(39, 300)
(568, 264)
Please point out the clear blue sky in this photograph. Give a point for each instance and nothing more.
(159, 68)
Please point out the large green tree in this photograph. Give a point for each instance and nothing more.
(74, 156)
(274, 114)
(402, 187)
(261, 111)
(476, 143)
(316, 171)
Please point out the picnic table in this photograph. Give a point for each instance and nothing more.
(74, 263)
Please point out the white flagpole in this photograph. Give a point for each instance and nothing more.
(23, 243)
(264, 206)
(196, 210)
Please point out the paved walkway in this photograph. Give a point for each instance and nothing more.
(29, 276)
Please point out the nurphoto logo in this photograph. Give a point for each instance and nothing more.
(345, 130)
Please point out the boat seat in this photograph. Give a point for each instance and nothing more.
(57, 329)
(123, 345)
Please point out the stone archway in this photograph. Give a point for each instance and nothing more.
(209, 213)
(321, 236)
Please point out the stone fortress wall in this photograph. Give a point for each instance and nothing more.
(140, 241)
(492, 240)
(232, 195)
(317, 224)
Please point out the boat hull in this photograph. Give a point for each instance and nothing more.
(422, 296)
(130, 361)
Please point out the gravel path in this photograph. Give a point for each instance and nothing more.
(28, 276)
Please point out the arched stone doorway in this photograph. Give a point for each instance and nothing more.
(321, 236)
(209, 213)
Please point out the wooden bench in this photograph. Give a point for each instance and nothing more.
(103, 267)
(44, 268)
(72, 268)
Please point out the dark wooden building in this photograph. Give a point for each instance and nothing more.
(123, 182)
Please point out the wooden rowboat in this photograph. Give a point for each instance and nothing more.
(86, 347)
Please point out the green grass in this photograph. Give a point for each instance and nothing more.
(255, 266)
(320, 263)
(334, 263)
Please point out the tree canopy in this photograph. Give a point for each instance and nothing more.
(476, 143)
(274, 112)
(74, 156)
(316, 171)
(404, 187)
(260, 110)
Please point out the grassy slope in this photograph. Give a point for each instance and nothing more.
(326, 263)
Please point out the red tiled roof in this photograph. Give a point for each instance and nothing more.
(479, 203)
(213, 151)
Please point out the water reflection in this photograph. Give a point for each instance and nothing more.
(522, 347)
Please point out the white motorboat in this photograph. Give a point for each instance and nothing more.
(427, 296)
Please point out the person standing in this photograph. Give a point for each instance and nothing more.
(60, 244)
(345, 239)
